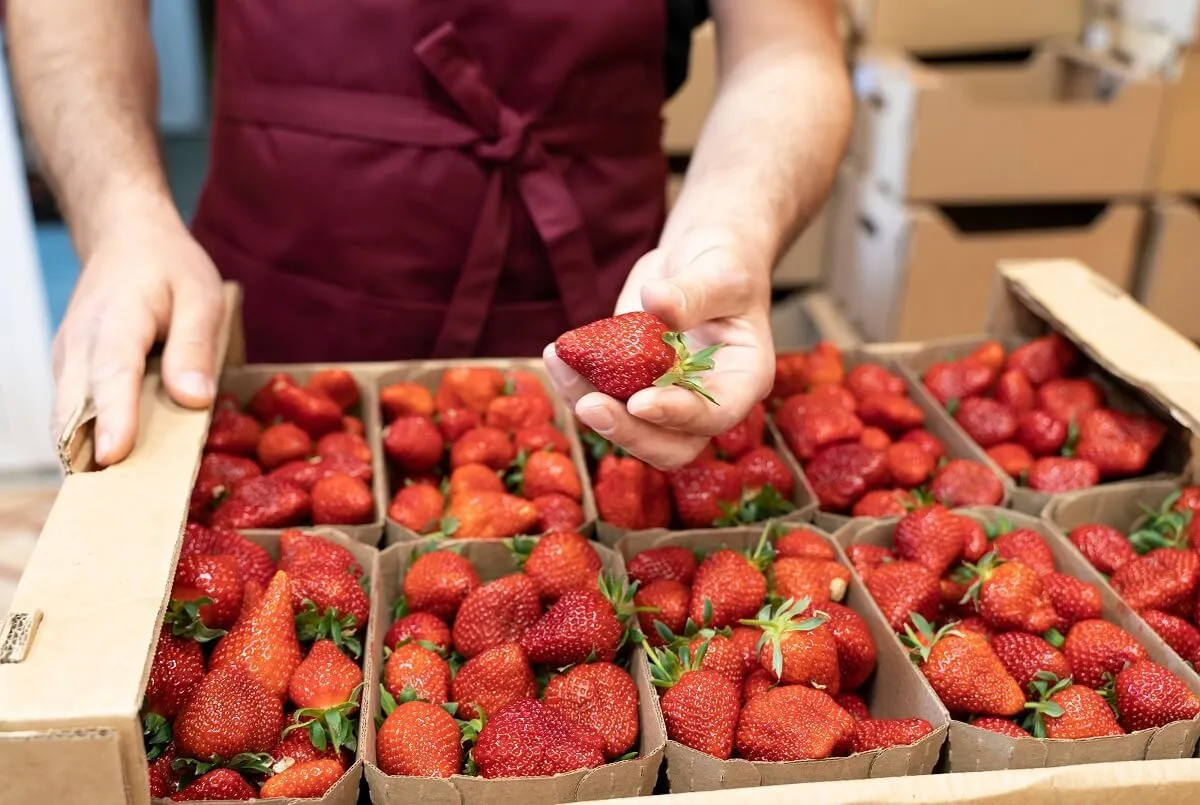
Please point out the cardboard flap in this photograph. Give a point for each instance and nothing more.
(76, 445)
(1109, 326)
(62, 767)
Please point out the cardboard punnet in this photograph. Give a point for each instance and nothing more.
(895, 690)
(971, 749)
(1170, 271)
(1066, 125)
(243, 381)
(951, 26)
(894, 265)
(429, 373)
(625, 778)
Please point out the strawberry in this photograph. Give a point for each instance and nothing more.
(1027, 547)
(414, 443)
(494, 679)
(826, 365)
(624, 354)
(581, 624)
(1144, 429)
(1095, 648)
(866, 558)
(798, 652)
(871, 734)
(405, 399)
(510, 413)
(601, 697)
(1073, 600)
(902, 588)
(483, 445)
(330, 591)
(491, 515)
(963, 671)
(1012, 458)
(342, 500)
(254, 563)
(228, 713)
(842, 474)
(1071, 712)
(792, 722)
(763, 466)
(1040, 433)
(1024, 656)
(791, 376)
(215, 578)
(438, 582)
(962, 482)
(532, 739)
(232, 432)
(988, 422)
(1104, 441)
(163, 779)
(218, 475)
(176, 670)
(548, 473)
(977, 626)
(263, 403)
(820, 580)
(891, 412)
(297, 550)
(729, 586)
(671, 562)
(1103, 546)
(264, 641)
(1014, 390)
(264, 502)
(1010, 595)
(558, 513)
(218, 784)
(282, 443)
(336, 384)
(416, 668)
(542, 436)
(818, 427)
(324, 679)
(1164, 579)
(419, 739)
(721, 655)
(932, 536)
(625, 497)
(417, 507)
(926, 441)
(354, 426)
(1001, 726)
(1054, 474)
(989, 354)
(558, 562)
(419, 627)
(343, 443)
(758, 681)
(700, 707)
(304, 474)
(876, 439)
(498, 612)
(909, 465)
(801, 543)
(856, 649)
(1043, 358)
(524, 383)
(474, 478)
(454, 423)
(298, 747)
(871, 378)
(303, 780)
(1069, 399)
(745, 640)
(957, 380)
(1181, 636)
(316, 413)
(744, 436)
(884, 503)
(1149, 696)
(853, 704)
(835, 396)
(662, 601)
(699, 489)
(470, 387)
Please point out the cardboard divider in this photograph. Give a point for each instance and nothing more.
(429, 374)
(623, 778)
(895, 690)
(972, 749)
(243, 381)
(940, 26)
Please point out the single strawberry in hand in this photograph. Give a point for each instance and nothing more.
(963, 671)
(700, 707)
(624, 354)
(601, 697)
(491, 681)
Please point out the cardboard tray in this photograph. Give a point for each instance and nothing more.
(971, 749)
(429, 374)
(895, 690)
(626, 778)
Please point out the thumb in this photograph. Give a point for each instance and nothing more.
(711, 285)
(190, 352)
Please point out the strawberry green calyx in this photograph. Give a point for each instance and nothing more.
(781, 621)
(921, 641)
(977, 574)
(1044, 686)
(189, 769)
(668, 666)
(997, 528)
(520, 547)
(330, 726)
(754, 508)
(156, 734)
(312, 625)
(687, 366)
(1164, 527)
(620, 595)
(763, 553)
(184, 619)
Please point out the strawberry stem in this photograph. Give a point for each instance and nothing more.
(688, 366)
(184, 619)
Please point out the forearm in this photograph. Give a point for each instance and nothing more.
(769, 151)
(86, 76)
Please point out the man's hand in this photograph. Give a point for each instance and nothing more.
(702, 288)
(142, 282)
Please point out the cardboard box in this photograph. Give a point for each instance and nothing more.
(626, 778)
(1066, 125)
(687, 110)
(895, 690)
(1178, 163)
(1170, 272)
(941, 26)
(429, 374)
(897, 266)
(801, 319)
(972, 749)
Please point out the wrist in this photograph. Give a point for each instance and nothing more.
(118, 209)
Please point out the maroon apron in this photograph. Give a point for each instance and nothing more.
(409, 178)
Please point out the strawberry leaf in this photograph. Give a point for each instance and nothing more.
(156, 734)
(184, 619)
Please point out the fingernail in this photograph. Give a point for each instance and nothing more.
(599, 418)
(649, 413)
(196, 385)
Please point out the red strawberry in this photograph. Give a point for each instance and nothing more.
(987, 421)
(826, 365)
(305, 474)
(474, 478)
(866, 558)
(909, 465)
(821, 580)
(330, 590)
(263, 404)
(470, 387)
(438, 582)
(494, 679)
(419, 739)
(1104, 441)
(834, 396)
(977, 626)
(700, 707)
(1164, 579)
(548, 473)
(932, 536)
(874, 734)
(818, 427)
(891, 412)
(216, 578)
(297, 549)
(1147, 431)
(672, 562)
(758, 681)
(1073, 600)
(531, 739)
(336, 384)
(498, 612)
(419, 627)
(870, 378)
(958, 380)
(414, 443)
(744, 436)
(303, 780)
(1095, 648)
(963, 671)
(342, 500)
(699, 489)
(884, 503)
(311, 410)
(927, 442)
(1014, 390)
(454, 423)
(582, 624)
(354, 426)
(1025, 656)
(1070, 712)
(853, 704)
(297, 746)
(414, 668)
(1010, 596)
(417, 507)
(1001, 726)
(218, 784)
(1054, 474)
(1043, 358)
(484, 445)
(177, 669)
(263, 642)
(1012, 458)
(232, 432)
(876, 439)
(163, 778)
(1149, 696)
(218, 475)
(803, 543)
(1040, 433)
(491, 515)
(558, 513)
(558, 562)
(963, 482)
(1181, 636)
(264, 502)
(524, 383)
(662, 601)
(842, 474)
(729, 586)
(1069, 399)
(624, 354)
(795, 651)
(254, 563)
(1103, 546)
(856, 650)
(542, 436)
(763, 466)
(343, 443)
(792, 722)
(989, 354)
(624, 495)
(405, 399)
(901, 588)
(722, 655)
(510, 413)
(1027, 547)
(325, 678)
(229, 713)
(282, 443)
(601, 697)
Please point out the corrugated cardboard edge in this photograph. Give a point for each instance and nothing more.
(429, 373)
(626, 778)
(243, 381)
(897, 690)
(972, 749)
